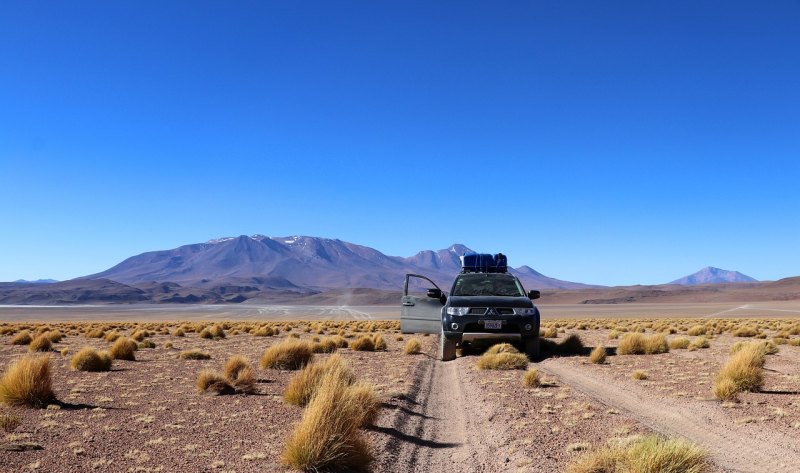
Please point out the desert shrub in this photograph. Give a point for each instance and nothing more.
(294, 335)
(96, 333)
(194, 354)
(55, 336)
(598, 355)
(40, 343)
(8, 421)
(745, 332)
(650, 454)
(289, 354)
(363, 343)
(89, 359)
(234, 366)
(696, 330)
(112, 336)
(680, 343)
(501, 348)
(263, 332)
(328, 437)
(379, 342)
(22, 338)
(64, 352)
(639, 374)
(699, 342)
(412, 347)
(768, 348)
(211, 381)
(206, 333)
(124, 349)
(217, 331)
(531, 378)
(244, 381)
(742, 372)
(549, 332)
(147, 344)
(613, 335)
(502, 361)
(27, 382)
(365, 396)
(168, 345)
(179, 333)
(638, 344)
(138, 335)
(304, 384)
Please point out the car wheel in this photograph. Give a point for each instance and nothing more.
(447, 348)
(532, 347)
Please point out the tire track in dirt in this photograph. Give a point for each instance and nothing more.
(432, 430)
(730, 448)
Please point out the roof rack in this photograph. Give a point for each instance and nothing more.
(484, 263)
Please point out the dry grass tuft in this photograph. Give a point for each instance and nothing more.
(531, 378)
(639, 375)
(304, 384)
(234, 366)
(699, 342)
(194, 354)
(412, 347)
(124, 349)
(211, 381)
(549, 332)
(27, 382)
(680, 343)
(328, 437)
(650, 454)
(379, 342)
(55, 336)
(598, 355)
(22, 338)
(289, 354)
(40, 343)
(501, 348)
(503, 361)
(8, 421)
(363, 343)
(742, 372)
(89, 359)
(639, 344)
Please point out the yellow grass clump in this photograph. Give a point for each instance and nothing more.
(237, 377)
(124, 349)
(502, 361)
(379, 342)
(650, 454)
(742, 372)
(328, 437)
(211, 381)
(194, 354)
(22, 338)
(290, 354)
(531, 378)
(27, 382)
(639, 375)
(412, 347)
(549, 332)
(40, 343)
(363, 343)
(89, 359)
(598, 355)
(305, 383)
(639, 344)
(699, 342)
(679, 343)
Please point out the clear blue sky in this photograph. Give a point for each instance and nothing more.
(615, 142)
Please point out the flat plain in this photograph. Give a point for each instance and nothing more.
(148, 414)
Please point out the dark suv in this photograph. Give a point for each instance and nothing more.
(484, 307)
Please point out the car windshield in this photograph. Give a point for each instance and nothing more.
(483, 284)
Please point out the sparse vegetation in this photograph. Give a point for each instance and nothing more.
(363, 343)
(639, 344)
(598, 355)
(89, 359)
(124, 349)
(412, 347)
(22, 338)
(194, 354)
(8, 421)
(531, 378)
(289, 354)
(639, 375)
(27, 382)
(742, 372)
(502, 356)
(679, 343)
(40, 343)
(650, 454)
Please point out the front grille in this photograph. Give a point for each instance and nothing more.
(499, 310)
(477, 310)
(505, 311)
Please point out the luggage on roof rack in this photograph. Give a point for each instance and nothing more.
(484, 263)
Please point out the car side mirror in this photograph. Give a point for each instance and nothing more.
(534, 294)
(435, 293)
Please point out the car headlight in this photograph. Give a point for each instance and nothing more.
(457, 310)
(520, 311)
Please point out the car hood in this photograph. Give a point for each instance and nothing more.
(488, 301)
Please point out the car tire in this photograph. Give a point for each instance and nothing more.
(447, 348)
(531, 347)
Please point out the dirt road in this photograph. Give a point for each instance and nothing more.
(432, 429)
(731, 448)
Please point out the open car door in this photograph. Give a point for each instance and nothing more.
(421, 314)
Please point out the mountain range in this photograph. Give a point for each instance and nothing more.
(264, 269)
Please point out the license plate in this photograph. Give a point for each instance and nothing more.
(493, 324)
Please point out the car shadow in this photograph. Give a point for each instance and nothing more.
(392, 432)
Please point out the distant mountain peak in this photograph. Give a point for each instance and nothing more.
(712, 275)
